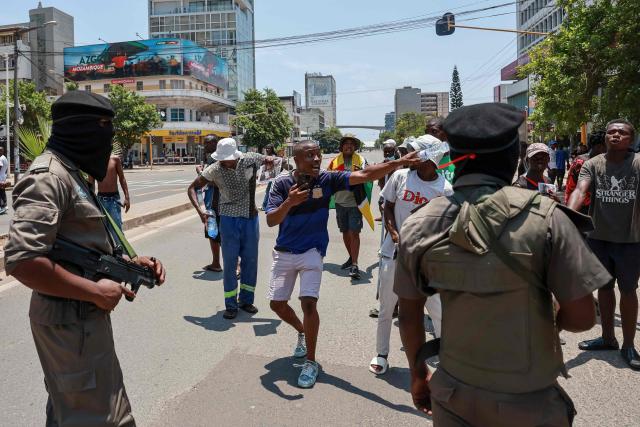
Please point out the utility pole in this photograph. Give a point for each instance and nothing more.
(17, 116)
(8, 117)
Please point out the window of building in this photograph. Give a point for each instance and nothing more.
(139, 85)
(87, 88)
(106, 88)
(163, 84)
(177, 84)
(177, 114)
(163, 114)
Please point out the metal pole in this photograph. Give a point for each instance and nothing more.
(16, 111)
(8, 97)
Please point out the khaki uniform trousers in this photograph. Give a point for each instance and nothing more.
(456, 404)
(82, 373)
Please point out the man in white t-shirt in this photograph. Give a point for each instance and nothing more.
(405, 191)
(4, 168)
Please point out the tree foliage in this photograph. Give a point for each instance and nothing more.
(328, 139)
(134, 117)
(69, 86)
(33, 141)
(35, 104)
(410, 124)
(384, 135)
(455, 94)
(589, 70)
(262, 119)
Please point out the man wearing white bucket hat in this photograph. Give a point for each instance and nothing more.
(234, 173)
(405, 191)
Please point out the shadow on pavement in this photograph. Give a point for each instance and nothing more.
(209, 276)
(335, 269)
(612, 357)
(219, 324)
(283, 370)
(399, 378)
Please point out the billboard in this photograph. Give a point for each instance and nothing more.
(138, 58)
(319, 91)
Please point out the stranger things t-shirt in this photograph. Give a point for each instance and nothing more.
(614, 205)
(408, 192)
(305, 226)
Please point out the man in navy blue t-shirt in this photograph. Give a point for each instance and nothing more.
(299, 203)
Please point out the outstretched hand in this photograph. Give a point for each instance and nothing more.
(411, 159)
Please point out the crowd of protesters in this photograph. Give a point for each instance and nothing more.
(600, 182)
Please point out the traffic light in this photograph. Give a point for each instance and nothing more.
(445, 26)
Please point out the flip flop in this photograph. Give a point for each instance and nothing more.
(209, 268)
(379, 365)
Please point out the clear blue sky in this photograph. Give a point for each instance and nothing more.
(367, 70)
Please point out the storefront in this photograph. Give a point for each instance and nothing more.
(182, 146)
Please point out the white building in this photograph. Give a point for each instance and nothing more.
(293, 106)
(412, 100)
(320, 92)
(227, 26)
(311, 121)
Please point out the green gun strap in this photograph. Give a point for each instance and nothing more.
(117, 236)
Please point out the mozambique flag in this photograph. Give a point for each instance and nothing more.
(361, 192)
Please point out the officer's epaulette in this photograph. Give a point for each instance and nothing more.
(40, 164)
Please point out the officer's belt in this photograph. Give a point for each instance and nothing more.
(84, 309)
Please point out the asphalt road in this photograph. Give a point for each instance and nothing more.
(185, 365)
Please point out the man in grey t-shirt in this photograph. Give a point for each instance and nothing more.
(613, 180)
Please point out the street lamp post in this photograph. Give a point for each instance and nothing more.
(16, 99)
(7, 116)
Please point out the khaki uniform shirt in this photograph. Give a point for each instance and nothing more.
(572, 271)
(52, 199)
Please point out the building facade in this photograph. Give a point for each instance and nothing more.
(226, 26)
(186, 82)
(413, 100)
(538, 16)
(390, 121)
(293, 105)
(38, 61)
(320, 92)
(311, 121)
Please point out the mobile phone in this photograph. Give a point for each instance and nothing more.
(304, 181)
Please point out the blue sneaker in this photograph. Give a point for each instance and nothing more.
(309, 374)
(301, 347)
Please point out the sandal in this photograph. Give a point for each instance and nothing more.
(211, 268)
(379, 365)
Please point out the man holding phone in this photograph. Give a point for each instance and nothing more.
(299, 204)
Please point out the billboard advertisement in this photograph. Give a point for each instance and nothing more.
(320, 91)
(137, 58)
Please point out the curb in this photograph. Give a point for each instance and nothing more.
(135, 222)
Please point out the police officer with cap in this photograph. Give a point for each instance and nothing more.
(498, 256)
(69, 314)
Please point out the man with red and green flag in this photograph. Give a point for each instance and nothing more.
(353, 204)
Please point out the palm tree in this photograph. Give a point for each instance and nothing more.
(33, 141)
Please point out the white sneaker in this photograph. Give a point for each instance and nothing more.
(301, 347)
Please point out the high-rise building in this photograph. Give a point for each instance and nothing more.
(293, 105)
(38, 61)
(539, 16)
(226, 26)
(413, 100)
(311, 121)
(320, 92)
(390, 121)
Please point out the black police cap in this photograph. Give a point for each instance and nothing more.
(79, 102)
(483, 128)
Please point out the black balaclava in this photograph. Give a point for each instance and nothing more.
(77, 133)
(501, 164)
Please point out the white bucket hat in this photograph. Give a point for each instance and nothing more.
(227, 149)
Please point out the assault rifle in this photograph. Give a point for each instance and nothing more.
(95, 266)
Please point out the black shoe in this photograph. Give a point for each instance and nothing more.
(374, 313)
(249, 308)
(355, 272)
(230, 314)
(631, 356)
(346, 265)
(597, 344)
(395, 312)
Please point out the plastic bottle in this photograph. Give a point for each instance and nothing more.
(212, 225)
